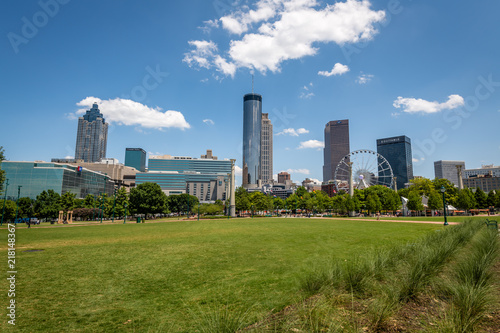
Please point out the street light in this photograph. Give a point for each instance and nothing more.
(17, 202)
(125, 219)
(114, 205)
(444, 205)
(4, 199)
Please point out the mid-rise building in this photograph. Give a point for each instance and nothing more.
(266, 150)
(32, 178)
(486, 183)
(252, 126)
(135, 158)
(205, 178)
(336, 147)
(283, 177)
(92, 136)
(449, 170)
(485, 170)
(397, 151)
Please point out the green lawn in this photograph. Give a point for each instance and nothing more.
(163, 276)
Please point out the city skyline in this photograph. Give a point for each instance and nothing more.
(171, 81)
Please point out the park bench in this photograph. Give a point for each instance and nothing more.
(491, 224)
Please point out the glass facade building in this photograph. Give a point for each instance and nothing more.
(252, 125)
(204, 178)
(36, 177)
(397, 151)
(336, 147)
(135, 158)
(92, 136)
(448, 170)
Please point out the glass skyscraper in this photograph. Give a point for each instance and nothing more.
(397, 151)
(336, 147)
(252, 126)
(92, 136)
(136, 158)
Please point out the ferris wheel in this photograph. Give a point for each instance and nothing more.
(368, 168)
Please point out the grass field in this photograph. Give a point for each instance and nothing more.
(166, 276)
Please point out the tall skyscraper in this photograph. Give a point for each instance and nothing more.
(252, 125)
(448, 170)
(397, 151)
(336, 146)
(92, 136)
(136, 158)
(266, 150)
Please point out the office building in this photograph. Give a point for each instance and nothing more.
(397, 151)
(283, 177)
(252, 125)
(36, 177)
(448, 170)
(266, 150)
(336, 147)
(135, 158)
(209, 155)
(92, 136)
(485, 170)
(486, 183)
(205, 178)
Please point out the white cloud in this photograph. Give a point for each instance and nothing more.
(280, 30)
(208, 121)
(238, 171)
(306, 95)
(69, 157)
(311, 144)
(130, 113)
(205, 80)
(293, 132)
(301, 171)
(413, 105)
(202, 55)
(415, 160)
(338, 69)
(209, 25)
(364, 78)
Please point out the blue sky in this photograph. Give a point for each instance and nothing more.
(170, 76)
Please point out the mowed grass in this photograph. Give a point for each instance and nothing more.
(166, 276)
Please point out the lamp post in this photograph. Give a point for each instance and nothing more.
(102, 206)
(4, 199)
(17, 202)
(125, 218)
(252, 211)
(114, 205)
(444, 205)
(93, 211)
(198, 210)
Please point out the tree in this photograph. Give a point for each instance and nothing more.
(26, 207)
(415, 201)
(147, 198)
(180, 203)
(373, 203)
(89, 201)
(491, 199)
(338, 203)
(47, 204)
(260, 201)
(10, 210)
(68, 201)
(242, 200)
(481, 199)
(121, 200)
(434, 201)
(466, 199)
(278, 203)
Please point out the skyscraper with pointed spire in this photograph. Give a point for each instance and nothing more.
(92, 136)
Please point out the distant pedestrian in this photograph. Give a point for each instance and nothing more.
(29, 224)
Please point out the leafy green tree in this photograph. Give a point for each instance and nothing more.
(278, 203)
(47, 204)
(241, 199)
(491, 199)
(373, 203)
(260, 201)
(292, 203)
(181, 202)
(10, 210)
(68, 201)
(434, 201)
(301, 191)
(481, 199)
(78, 203)
(147, 198)
(415, 201)
(89, 201)
(25, 207)
(121, 200)
(466, 199)
(339, 203)
(451, 192)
